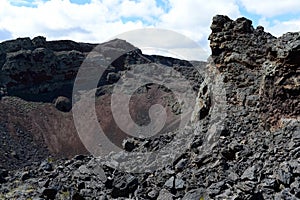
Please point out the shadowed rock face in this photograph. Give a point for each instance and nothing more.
(249, 99)
(258, 66)
(37, 70)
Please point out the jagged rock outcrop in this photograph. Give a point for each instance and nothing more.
(259, 67)
(262, 115)
(246, 133)
(38, 70)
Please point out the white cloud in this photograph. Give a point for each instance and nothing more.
(193, 18)
(100, 20)
(271, 8)
(165, 42)
(60, 19)
(277, 28)
(145, 9)
(276, 16)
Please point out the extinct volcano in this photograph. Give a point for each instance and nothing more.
(36, 81)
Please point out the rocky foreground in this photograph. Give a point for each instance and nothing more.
(247, 110)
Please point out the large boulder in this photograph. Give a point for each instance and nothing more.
(63, 104)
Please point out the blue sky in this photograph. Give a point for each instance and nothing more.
(99, 20)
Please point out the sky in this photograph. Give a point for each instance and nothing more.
(97, 21)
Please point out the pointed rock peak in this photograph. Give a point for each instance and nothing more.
(223, 23)
(119, 44)
(218, 22)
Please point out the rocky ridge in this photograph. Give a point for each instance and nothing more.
(253, 83)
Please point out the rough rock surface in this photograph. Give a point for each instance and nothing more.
(39, 70)
(63, 104)
(248, 103)
(36, 82)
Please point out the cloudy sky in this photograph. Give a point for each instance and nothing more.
(97, 21)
